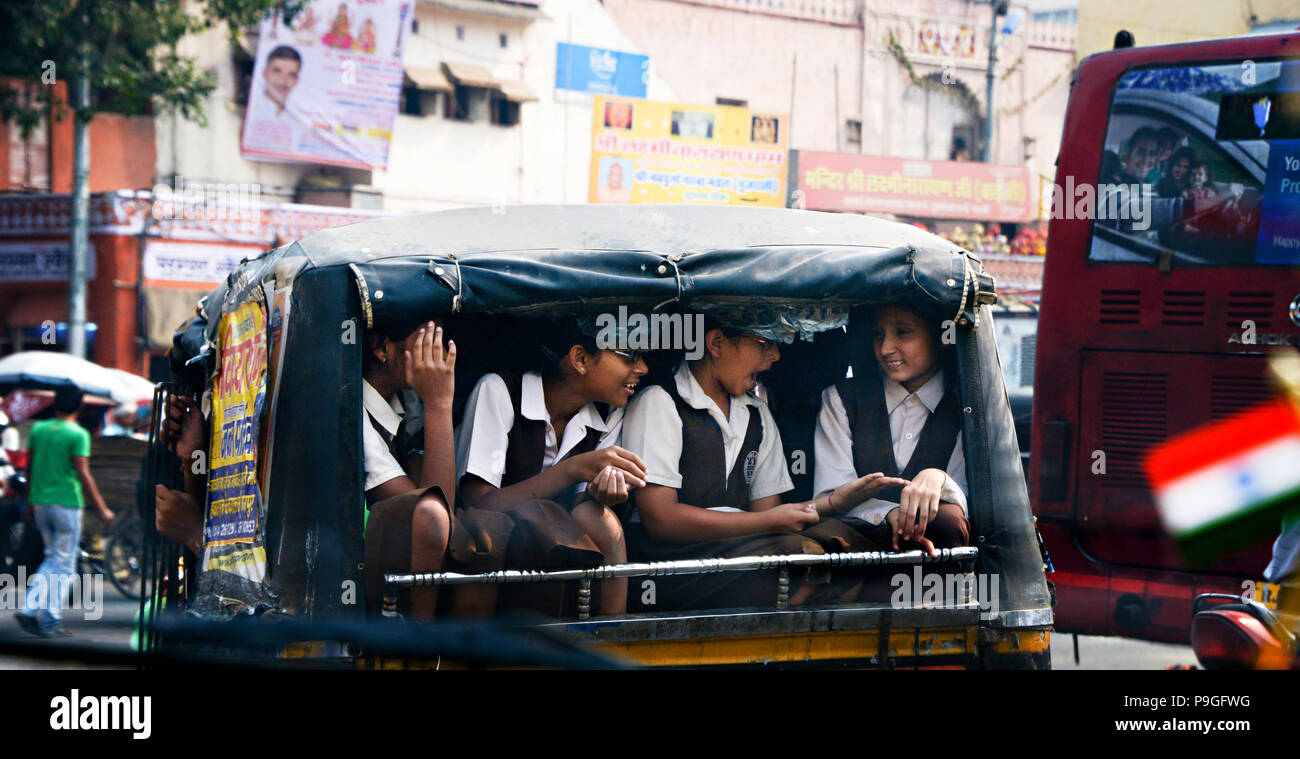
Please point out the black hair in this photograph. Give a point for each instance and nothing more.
(729, 331)
(1142, 134)
(1181, 153)
(286, 53)
(67, 399)
(553, 339)
(1167, 136)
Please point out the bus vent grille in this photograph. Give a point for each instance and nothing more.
(1253, 306)
(1183, 308)
(1134, 417)
(1229, 394)
(1028, 349)
(1120, 306)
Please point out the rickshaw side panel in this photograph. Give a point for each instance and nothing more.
(313, 534)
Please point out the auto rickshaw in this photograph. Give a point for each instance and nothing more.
(280, 343)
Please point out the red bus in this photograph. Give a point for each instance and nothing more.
(1173, 268)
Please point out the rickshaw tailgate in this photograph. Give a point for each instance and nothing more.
(847, 635)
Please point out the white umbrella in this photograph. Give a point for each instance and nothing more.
(42, 370)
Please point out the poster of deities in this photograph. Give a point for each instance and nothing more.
(326, 86)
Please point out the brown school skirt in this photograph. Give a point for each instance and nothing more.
(546, 537)
(478, 543)
(740, 589)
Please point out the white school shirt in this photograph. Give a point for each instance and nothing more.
(484, 432)
(908, 413)
(380, 464)
(652, 429)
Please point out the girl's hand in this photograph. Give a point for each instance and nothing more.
(587, 466)
(178, 518)
(920, 503)
(894, 519)
(184, 427)
(610, 487)
(851, 494)
(792, 517)
(430, 370)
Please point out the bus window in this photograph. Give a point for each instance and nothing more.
(1201, 166)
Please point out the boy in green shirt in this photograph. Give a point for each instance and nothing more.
(59, 475)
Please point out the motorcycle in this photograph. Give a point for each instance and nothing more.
(1232, 632)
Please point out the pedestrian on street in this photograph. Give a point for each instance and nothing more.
(58, 452)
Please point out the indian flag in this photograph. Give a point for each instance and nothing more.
(1228, 483)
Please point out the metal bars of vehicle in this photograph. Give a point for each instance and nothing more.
(159, 555)
(678, 567)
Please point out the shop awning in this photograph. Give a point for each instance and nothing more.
(469, 75)
(428, 78)
(515, 91)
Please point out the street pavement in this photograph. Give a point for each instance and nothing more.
(111, 629)
(1100, 652)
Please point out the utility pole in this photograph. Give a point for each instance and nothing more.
(999, 9)
(80, 215)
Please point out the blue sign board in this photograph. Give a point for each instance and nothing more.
(602, 72)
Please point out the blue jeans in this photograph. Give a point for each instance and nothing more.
(61, 530)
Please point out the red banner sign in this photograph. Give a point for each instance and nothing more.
(907, 187)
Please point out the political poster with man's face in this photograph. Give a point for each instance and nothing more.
(326, 86)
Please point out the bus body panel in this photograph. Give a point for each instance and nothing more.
(1130, 354)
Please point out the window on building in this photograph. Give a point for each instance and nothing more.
(423, 90)
(504, 39)
(504, 112)
(242, 64)
(413, 102)
(732, 101)
(931, 116)
(853, 133)
(471, 104)
(460, 33)
(471, 88)
(415, 26)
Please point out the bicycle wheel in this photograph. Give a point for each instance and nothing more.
(122, 557)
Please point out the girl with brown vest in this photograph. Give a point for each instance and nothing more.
(902, 425)
(412, 524)
(543, 448)
(716, 471)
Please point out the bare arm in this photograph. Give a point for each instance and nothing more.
(178, 514)
(480, 493)
(665, 518)
(439, 464)
(82, 465)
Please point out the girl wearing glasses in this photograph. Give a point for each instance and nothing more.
(715, 472)
(543, 447)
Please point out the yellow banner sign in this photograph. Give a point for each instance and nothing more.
(650, 152)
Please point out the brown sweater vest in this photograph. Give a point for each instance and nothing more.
(526, 443)
(873, 449)
(703, 463)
